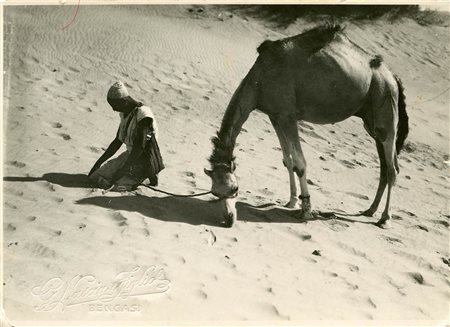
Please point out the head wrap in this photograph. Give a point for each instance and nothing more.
(117, 91)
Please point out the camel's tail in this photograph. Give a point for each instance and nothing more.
(402, 127)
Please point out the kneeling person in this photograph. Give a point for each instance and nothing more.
(138, 130)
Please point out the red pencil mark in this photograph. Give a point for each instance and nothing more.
(74, 16)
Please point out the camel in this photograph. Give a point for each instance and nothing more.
(321, 77)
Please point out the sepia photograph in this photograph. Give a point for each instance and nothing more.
(225, 164)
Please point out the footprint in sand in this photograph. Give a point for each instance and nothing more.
(40, 250)
(49, 186)
(353, 268)
(202, 294)
(371, 302)
(9, 205)
(331, 274)
(17, 164)
(396, 217)
(347, 164)
(66, 137)
(337, 225)
(421, 227)
(300, 235)
(417, 277)
(121, 219)
(359, 196)
(229, 263)
(409, 213)
(354, 251)
(73, 69)
(189, 174)
(269, 290)
(95, 149)
(266, 192)
(10, 228)
(271, 308)
(192, 183)
(441, 222)
(391, 240)
(59, 200)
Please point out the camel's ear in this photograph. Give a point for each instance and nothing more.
(208, 172)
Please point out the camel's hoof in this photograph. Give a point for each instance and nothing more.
(306, 215)
(229, 221)
(368, 213)
(385, 224)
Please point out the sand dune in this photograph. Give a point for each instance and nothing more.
(270, 267)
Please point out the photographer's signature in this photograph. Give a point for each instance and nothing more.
(81, 289)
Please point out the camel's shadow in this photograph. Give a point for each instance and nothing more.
(195, 211)
(169, 209)
(63, 179)
(272, 213)
(183, 210)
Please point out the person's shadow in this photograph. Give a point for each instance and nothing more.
(63, 179)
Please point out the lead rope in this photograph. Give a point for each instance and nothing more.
(165, 192)
(173, 194)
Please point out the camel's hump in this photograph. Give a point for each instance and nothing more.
(311, 40)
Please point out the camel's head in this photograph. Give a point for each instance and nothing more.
(225, 187)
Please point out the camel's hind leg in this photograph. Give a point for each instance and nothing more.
(288, 163)
(384, 120)
(391, 175)
(294, 159)
(382, 182)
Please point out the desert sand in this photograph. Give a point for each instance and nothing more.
(185, 66)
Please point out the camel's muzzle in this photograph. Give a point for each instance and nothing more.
(229, 211)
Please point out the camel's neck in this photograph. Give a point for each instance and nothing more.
(241, 105)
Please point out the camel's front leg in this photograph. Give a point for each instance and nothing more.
(290, 131)
(288, 163)
(305, 197)
(293, 188)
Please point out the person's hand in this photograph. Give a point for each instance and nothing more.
(96, 166)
